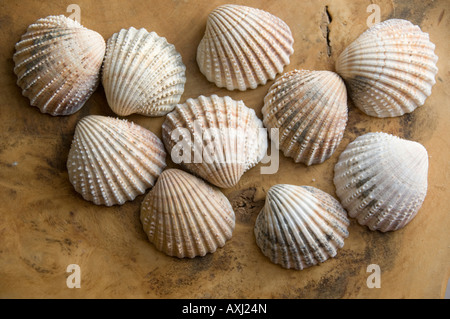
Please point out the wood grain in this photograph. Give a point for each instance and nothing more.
(45, 225)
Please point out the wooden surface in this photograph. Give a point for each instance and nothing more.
(45, 225)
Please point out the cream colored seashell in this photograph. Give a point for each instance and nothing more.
(243, 47)
(381, 180)
(310, 110)
(221, 138)
(142, 73)
(300, 226)
(57, 63)
(112, 161)
(185, 217)
(390, 69)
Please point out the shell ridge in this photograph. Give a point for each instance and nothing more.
(284, 48)
(397, 59)
(91, 152)
(116, 168)
(317, 131)
(149, 91)
(183, 220)
(118, 146)
(109, 69)
(262, 70)
(373, 179)
(143, 73)
(49, 51)
(136, 38)
(238, 51)
(122, 173)
(304, 221)
(230, 42)
(192, 211)
(203, 222)
(279, 235)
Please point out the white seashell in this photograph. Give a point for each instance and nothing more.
(142, 73)
(185, 217)
(57, 63)
(381, 180)
(390, 69)
(300, 226)
(310, 110)
(222, 138)
(112, 161)
(243, 47)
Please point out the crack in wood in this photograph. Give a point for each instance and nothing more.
(324, 26)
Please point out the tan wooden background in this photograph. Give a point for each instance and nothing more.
(45, 225)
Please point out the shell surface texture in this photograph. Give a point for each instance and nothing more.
(390, 69)
(112, 161)
(142, 73)
(310, 110)
(381, 180)
(183, 216)
(300, 226)
(243, 47)
(221, 138)
(57, 63)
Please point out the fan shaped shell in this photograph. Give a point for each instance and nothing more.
(310, 110)
(142, 73)
(185, 217)
(381, 180)
(112, 161)
(243, 47)
(57, 63)
(221, 138)
(390, 69)
(300, 226)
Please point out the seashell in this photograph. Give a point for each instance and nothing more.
(300, 226)
(221, 138)
(142, 73)
(243, 47)
(57, 63)
(310, 110)
(381, 180)
(112, 161)
(390, 69)
(185, 217)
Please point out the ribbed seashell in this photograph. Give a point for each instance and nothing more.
(390, 69)
(381, 180)
(310, 110)
(58, 63)
(243, 47)
(112, 161)
(300, 226)
(185, 217)
(142, 73)
(221, 138)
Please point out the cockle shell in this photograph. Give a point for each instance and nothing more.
(243, 47)
(390, 69)
(381, 180)
(142, 73)
(112, 161)
(57, 63)
(185, 217)
(300, 226)
(221, 138)
(310, 110)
